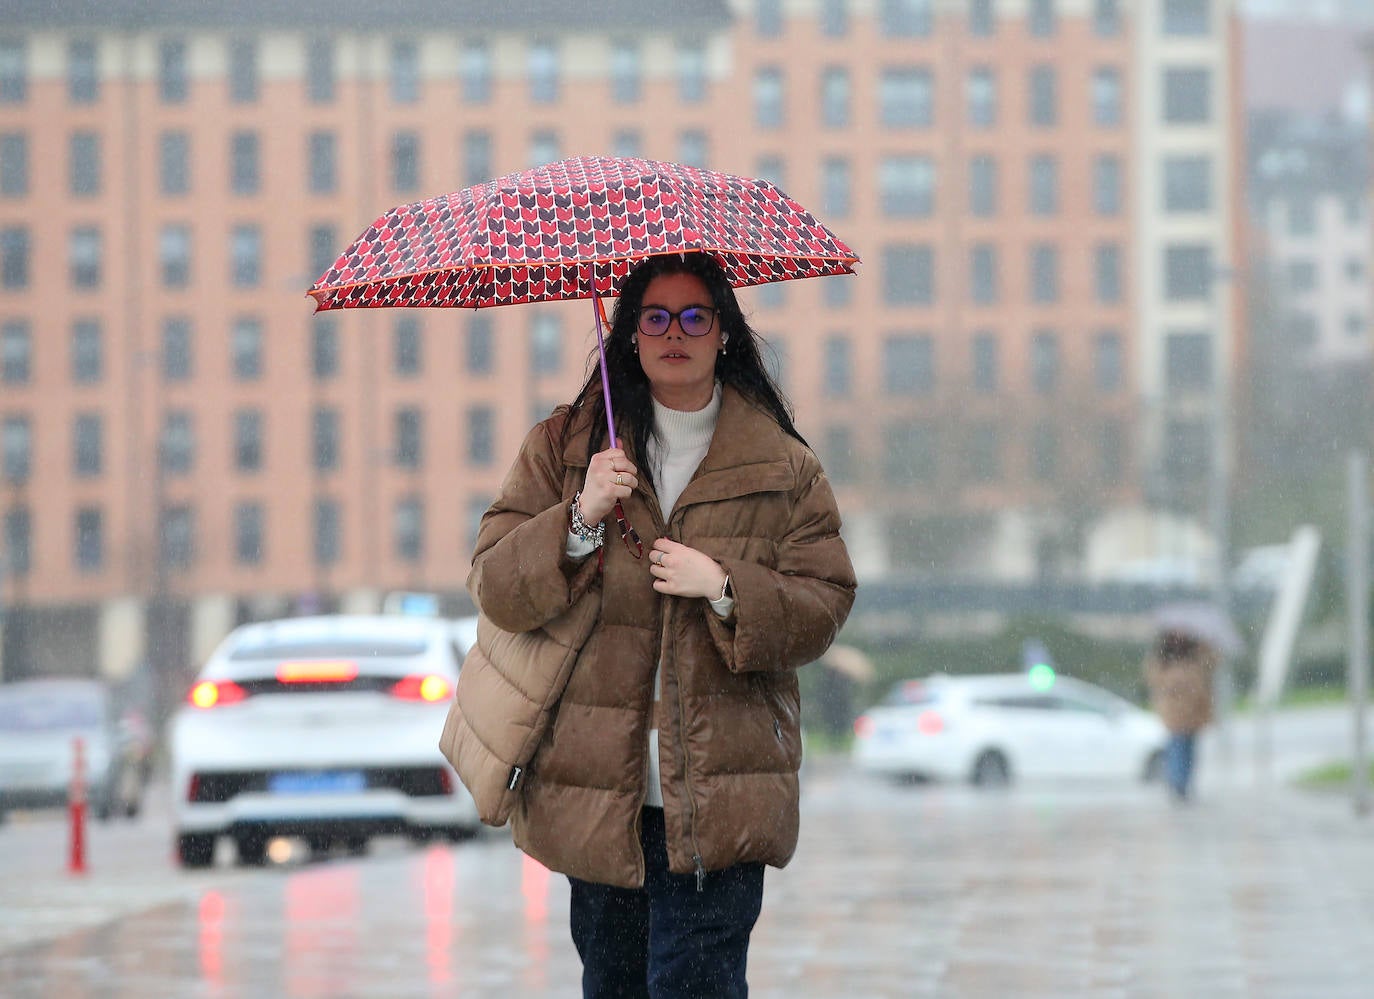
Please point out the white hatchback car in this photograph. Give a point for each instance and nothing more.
(325, 728)
(993, 729)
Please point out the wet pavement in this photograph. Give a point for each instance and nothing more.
(895, 891)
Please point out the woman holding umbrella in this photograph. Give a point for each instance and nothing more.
(666, 778)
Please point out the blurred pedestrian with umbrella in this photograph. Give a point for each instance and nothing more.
(632, 705)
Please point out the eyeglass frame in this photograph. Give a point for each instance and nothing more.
(639, 319)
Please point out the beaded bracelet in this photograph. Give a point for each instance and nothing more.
(596, 535)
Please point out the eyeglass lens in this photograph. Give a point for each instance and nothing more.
(696, 320)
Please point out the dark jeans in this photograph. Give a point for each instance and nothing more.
(666, 940)
(1179, 754)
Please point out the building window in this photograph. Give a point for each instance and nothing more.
(838, 453)
(319, 71)
(405, 72)
(983, 273)
(476, 156)
(1041, 18)
(475, 72)
(324, 439)
(324, 347)
(406, 346)
(16, 352)
(1111, 451)
(543, 73)
(324, 243)
(982, 18)
(837, 189)
(986, 363)
(626, 72)
(546, 344)
(984, 453)
(84, 259)
(768, 97)
(323, 157)
(905, 18)
(1187, 18)
(177, 349)
(90, 539)
(14, 71)
(1187, 184)
(481, 451)
(1302, 216)
(246, 348)
(248, 533)
(1188, 361)
(14, 257)
(908, 364)
(409, 529)
(1187, 272)
(246, 254)
(544, 147)
(1044, 185)
(1106, 95)
(1355, 324)
(629, 142)
(907, 185)
(909, 274)
(243, 71)
(14, 164)
(86, 445)
(174, 163)
(173, 82)
(1187, 96)
(982, 97)
(248, 440)
(1107, 361)
(906, 98)
(1107, 185)
(1044, 102)
(691, 73)
(692, 147)
(982, 186)
(88, 361)
(909, 453)
(1107, 273)
(1187, 450)
(1044, 273)
(178, 537)
(174, 255)
(17, 541)
(1301, 329)
(1106, 18)
(328, 532)
(839, 367)
(16, 445)
(1044, 452)
(1044, 362)
(481, 345)
(834, 18)
(83, 164)
(405, 162)
(1302, 275)
(772, 169)
(835, 97)
(244, 173)
(178, 450)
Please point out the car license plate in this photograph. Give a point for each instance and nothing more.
(318, 782)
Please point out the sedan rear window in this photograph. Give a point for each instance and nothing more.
(334, 648)
(47, 712)
(910, 692)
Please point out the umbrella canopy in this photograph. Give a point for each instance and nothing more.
(1205, 622)
(574, 229)
(852, 662)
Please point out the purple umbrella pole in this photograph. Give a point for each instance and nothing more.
(605, 377)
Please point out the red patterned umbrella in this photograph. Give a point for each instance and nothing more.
(540, 235)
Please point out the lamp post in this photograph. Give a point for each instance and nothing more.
(1219, 487)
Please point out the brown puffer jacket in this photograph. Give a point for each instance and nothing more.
(729, 714)
(1181, 689)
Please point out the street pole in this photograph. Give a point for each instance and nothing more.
(1357, 615)
(1219, 497)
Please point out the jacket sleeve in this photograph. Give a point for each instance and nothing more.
(786, 617)
(521, 576)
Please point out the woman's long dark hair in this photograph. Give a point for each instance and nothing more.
(740, 365)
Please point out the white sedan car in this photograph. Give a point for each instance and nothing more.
(993, 729)
(325, 728)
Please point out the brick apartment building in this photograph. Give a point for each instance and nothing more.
(1044, 194)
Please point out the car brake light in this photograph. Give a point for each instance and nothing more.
(930, 723)
(216, 693)
(318, 671)
(427, 687)
(863, 726)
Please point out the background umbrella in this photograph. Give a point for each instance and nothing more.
(574, 229)
(1203, 621)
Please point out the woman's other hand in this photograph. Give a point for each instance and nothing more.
(685, 572)
(610, 477)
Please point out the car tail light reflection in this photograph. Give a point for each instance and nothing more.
(930, 723)
(427, 687)
(863, 726)
(318, 671)
(216, 693)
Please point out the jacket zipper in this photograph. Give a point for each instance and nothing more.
(686, 780)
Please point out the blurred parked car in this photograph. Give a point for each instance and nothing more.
(40, 721)
(321, 727)
(991, 730)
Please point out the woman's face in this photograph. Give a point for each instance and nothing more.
(680, 368)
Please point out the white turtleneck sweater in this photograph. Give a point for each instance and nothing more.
(679, 442)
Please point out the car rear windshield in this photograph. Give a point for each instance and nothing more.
(49, 712)
(910, 692)
(333, 648)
